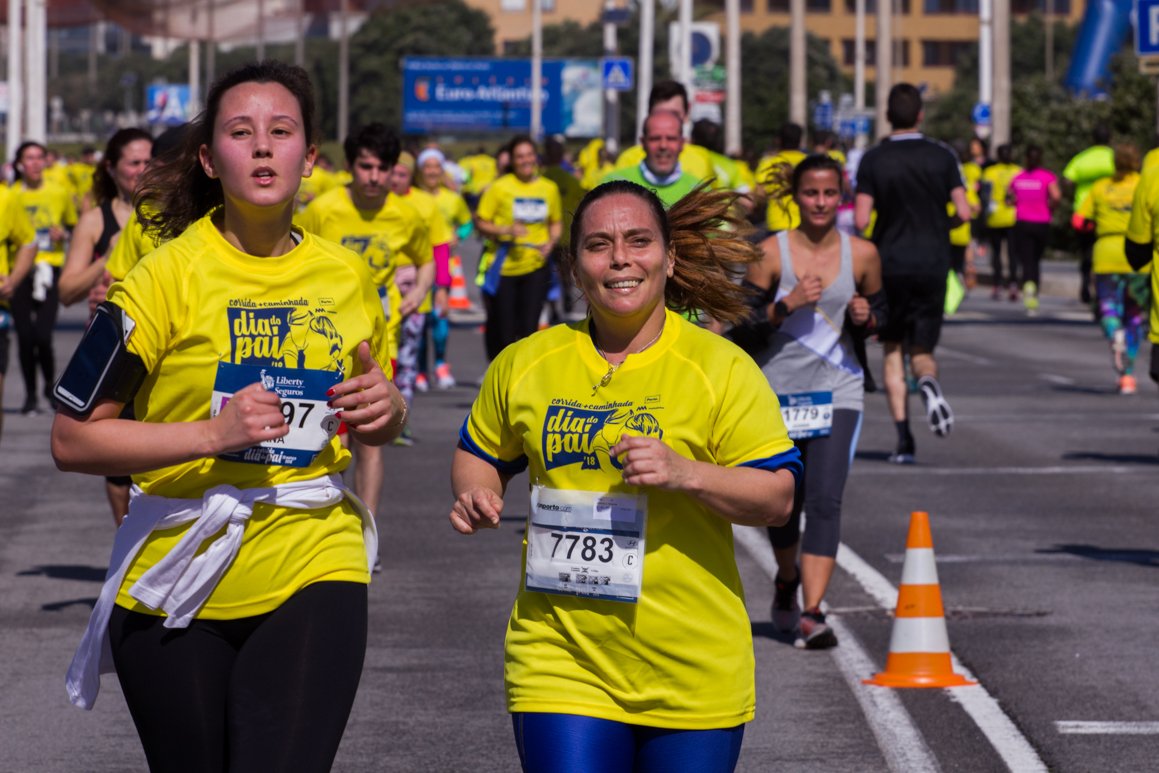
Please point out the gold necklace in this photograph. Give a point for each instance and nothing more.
(613, 367)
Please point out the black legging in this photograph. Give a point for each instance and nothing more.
(513, 312)
(1027, 244)
(34, 322)
(996, 237)
(264, 693)
(826, 461)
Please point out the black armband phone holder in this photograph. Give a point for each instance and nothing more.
(102, 367)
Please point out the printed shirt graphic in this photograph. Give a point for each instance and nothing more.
(534, 204)
(200, 304)
(47, 206)
(681, 657)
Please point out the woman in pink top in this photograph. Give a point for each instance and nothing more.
(1034, 192)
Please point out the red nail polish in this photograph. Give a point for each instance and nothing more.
(330, 392)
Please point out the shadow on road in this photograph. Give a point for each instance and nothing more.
(1095, 456)
(56, 606)
(1094, 553)
(769, 631)
(67, 572)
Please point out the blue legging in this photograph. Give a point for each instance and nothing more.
(567, 743)
(439, 328)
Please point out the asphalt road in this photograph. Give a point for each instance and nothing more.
(1042, 511)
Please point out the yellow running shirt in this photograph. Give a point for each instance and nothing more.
(47, 206)
(1108, 204)
(204, 310)
(535, 204)
(681, 656)
(1143, 228)
(16, 230)
(382, 238)
(131, 245)
(997, 178)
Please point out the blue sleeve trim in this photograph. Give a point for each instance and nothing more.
(468, 444)
(789, 460)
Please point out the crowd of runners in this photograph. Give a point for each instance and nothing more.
(677, 341)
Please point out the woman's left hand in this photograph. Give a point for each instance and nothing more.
(367, 402)
(646, 461)
(858, 310)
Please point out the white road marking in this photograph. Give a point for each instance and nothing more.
(957, 354)
(1055, 379)
(1107, 728)
(898, 739)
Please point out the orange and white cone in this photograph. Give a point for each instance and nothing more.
(457, 298)
(919, 648)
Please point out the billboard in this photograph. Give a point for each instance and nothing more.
(167, 104)
(484, 94)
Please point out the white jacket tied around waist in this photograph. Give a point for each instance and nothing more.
(181, 582)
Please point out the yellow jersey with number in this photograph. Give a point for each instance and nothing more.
(201, 306)
(682, 655)
(535, 205)
(50, 205)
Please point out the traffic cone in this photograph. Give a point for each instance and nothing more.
(919, 648)
(457, 299)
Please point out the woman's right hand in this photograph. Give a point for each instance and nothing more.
(806, 292)
(252, 416)
(476, 508)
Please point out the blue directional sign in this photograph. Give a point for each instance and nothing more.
(980, 115)
(823, 115)
(617, 73)
(1147, 28)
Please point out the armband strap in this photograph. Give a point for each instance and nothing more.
(102, 367)
(1138, 255)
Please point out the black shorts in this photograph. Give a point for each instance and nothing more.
(916, 305)
(1155, 363)
(3, 352)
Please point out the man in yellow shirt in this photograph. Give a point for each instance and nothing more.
(366, 218)
(672, 97)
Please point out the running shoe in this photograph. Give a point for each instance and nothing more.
(421, 383)
(937, 409)
(443, 377)
(1127, 385)
(814, 633)
(786, 611)
(1030, 296)
(30, 408)
(405, 439)
(905, 451)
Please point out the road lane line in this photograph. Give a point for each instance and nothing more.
(1107, 728)
(898, 739)
(1055, 379)
(1003, 735)
(957, 354)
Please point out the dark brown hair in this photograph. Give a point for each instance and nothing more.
(173, 195)
(705, 232)
(104, 185)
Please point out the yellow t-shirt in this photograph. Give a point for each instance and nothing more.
(682, 655)
(16, 230)
(536, 205)
(132, 244)
(319, 181)
(999, 214)
(381, 238)
(1143, 228)
(481, 171)
(971, 175)
(694, 160)
(782, 213)
(80, 177)
(49, 205)
(1108, 204)
(453, 206)
(202, 307)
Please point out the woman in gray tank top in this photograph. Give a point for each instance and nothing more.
(815, 289)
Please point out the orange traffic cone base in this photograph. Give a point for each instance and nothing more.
(918, 669)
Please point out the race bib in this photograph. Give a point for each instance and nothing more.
(44, 239)
(529, 211)
(807, 414)
(303, 393)
(586, 543)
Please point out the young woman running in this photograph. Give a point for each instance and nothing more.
(812, 284)
(235, 607)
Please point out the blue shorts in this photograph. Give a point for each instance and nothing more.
(554, 743)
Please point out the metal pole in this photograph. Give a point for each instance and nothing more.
(797, 95)
(15, 80)
(536, 70)
(985, 51)
(37, 33)
(644, 74)
(343, 73)
(1048, 20)
(732, 118)
(884, 74)
(1000, 112)
(300, 38)
(611, 96)
(683, 68)
(859, 55)
(194, 76)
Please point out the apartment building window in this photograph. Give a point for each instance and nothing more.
(871, 7)
(1058, 7)
(900, 52)
(944, 53)
(949, 6)
(813, 6)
